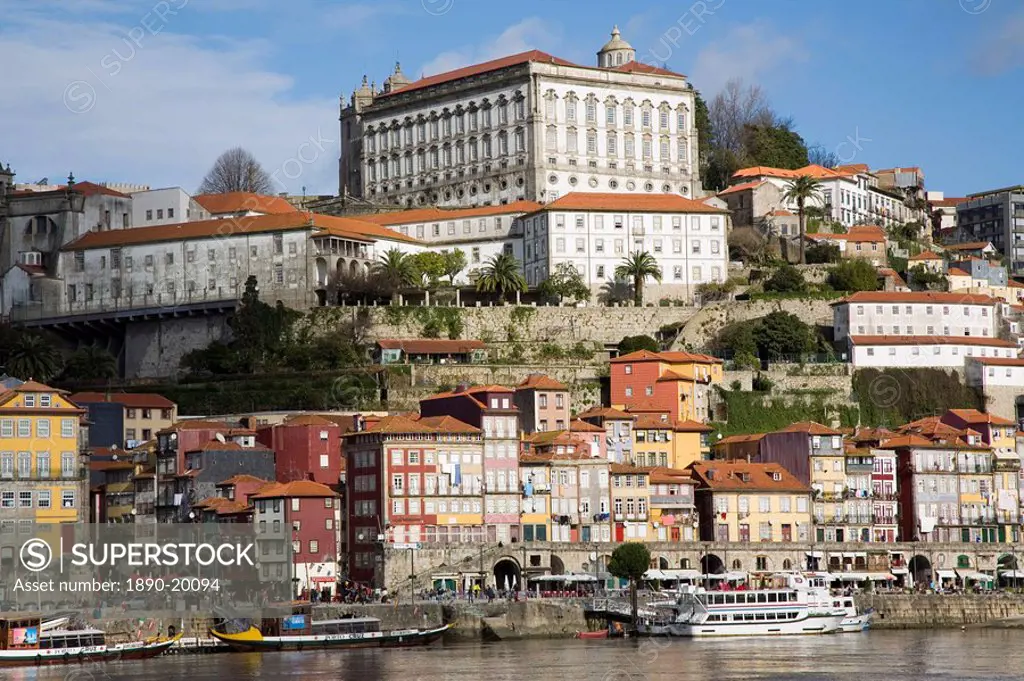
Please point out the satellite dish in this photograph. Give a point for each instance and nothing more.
(219, 437)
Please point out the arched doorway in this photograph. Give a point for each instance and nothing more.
(507, 574)
(321, 272)
(921, 569)
(557, 565)
(1007, 561)
(663, 563)
(353, 269)
(712, 565)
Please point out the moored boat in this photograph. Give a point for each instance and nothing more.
(26, 641)
(299, 632)
(600, 633)
(853, 620)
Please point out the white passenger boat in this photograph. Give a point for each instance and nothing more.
(794, 609)
(853, 621)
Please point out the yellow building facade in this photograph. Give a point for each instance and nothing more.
(42, 476)
(660, 442)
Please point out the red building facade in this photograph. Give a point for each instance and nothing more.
(307, 447)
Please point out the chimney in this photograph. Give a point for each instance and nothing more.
(461, 388)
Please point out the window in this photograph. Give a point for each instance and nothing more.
(67, 464)
(25, 500)
(42, 465)
(43, 499)
(67, 498)
(67, 428)
(43, 425)
(24, 427)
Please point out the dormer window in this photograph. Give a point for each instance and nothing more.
(32, 258)
(776, 476)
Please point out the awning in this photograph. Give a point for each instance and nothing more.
(974, 575)
(814, 554)
(1012, 574)
(881, 577)
(852, 576)
(567, 578)
(946, 574)
(728, 576)
(900, 571)
(671, 574)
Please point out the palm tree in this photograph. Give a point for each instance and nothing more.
(501, 274)
(801, 190)
(639, 266)
(90, 363)
(33, 356)
(396, 269)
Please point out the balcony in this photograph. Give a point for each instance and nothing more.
(671, 501)
(119, 488)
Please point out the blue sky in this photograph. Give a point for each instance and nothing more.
(151, 92)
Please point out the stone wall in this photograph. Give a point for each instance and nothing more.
(1001, 400)
(155, 348)
(917, 611)
(706, 323)
(836, 378)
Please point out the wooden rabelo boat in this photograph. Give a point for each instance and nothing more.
(298, 631)
(26, 641)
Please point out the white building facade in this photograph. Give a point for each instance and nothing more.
(596, 232)
(525, 127)
(167, 206)
(923, 352)
(923, 313)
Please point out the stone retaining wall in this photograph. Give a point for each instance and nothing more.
(924, 611)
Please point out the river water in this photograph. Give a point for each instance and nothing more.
(989, 655)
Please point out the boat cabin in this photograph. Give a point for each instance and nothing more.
(748, 598)
(19, 631)
(300, 623)
(349, 625)
(58, 640)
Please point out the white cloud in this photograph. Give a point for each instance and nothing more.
(528, 34)
(749, 52)
(157, 110)
(1002, 50)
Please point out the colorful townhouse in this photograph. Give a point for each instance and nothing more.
(43, 478)
(306, 514)
(125, 419)
(417, 479)
(618, 430)
(307, 447)
(490, 408)
(630, 502)
(543, 404)
(677, 383)
(739, 501)
(884, 482)
(673, 512)
(592, 436)
(661, 441)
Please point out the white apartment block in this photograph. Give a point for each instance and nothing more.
(529, 126)
(924, 352)
(480, 233)
(293, 258)
(994, 372)
(850, 194)
(922, 313)
(168, 206)
(596, 232)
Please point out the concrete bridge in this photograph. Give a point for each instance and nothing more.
(910, 563)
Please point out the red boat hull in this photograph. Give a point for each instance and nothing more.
(592, 634)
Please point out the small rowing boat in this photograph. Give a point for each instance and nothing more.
(602, 633)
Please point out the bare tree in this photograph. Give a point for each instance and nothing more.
(236, 170)
(736, 107)
(819, 155)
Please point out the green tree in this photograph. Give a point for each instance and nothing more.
(853, 275)
(630, 561)
(633, 343)
(564, 282)
(802, 190)
(781, 334)
(639, 266)
(785, 279)
(30, 355)
(396, 270)
(823, 252)
(737, 339)
(90, 363)
(429, 267)
(920, 278)
(454, 262)
(261, 332)
(702, 121)
(501, 274)
(776, 146)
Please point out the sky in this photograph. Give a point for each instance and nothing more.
(151, 92)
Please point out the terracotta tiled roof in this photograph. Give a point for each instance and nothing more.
(626, 469)
(604, 412)
(671, 357)
(1013, 283)
(631, 203)
(472, 390)
(242, 480)
(691, 426)
(890, 273)
(479, 69)
(973, 416)
(111, 465)
(781, 213)
(979, 341)
(809, 427)
(950, 202)
(853, 168)
(578, 426)
(856, 234)
(998, 361)
(31, 386)
(239, 202)
(308, 420)
(668, 476)
(812, 170)
(350, 228)
(957, 272)
(968, 246)
(728, 476)
(447, 424)
(232, 507)
(298, 488)
(541, 382)
(936, 297)
(926, 255)
(742, 187)
(131, 400)
(92, 189)
(640, 405)
(904, 441)
(738, 439)
(640, 67)
(431, 346)
(405, 217)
